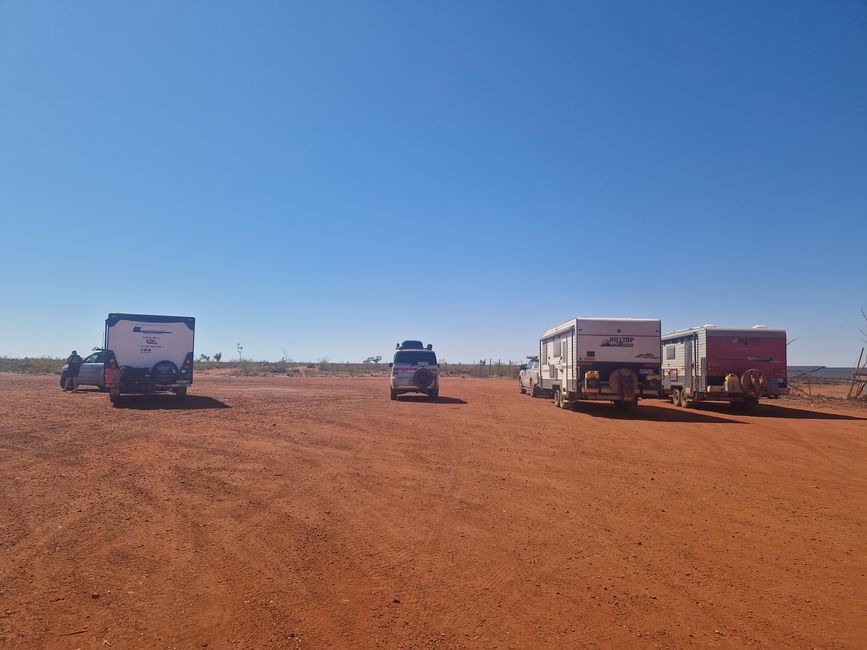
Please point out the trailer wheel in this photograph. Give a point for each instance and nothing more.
(393, 394)
(534, 391)
(521, 387)
(684, 402)
(675, 397)
(434, 395)
(557, 396)
(180, 392)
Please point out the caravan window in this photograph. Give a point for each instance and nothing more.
(669, 352)
(564, 348)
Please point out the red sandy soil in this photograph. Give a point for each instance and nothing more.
(276, 512)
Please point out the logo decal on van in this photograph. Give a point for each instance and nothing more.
(618, 342)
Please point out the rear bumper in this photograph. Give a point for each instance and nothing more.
(148, 387)
(723, 396)
(604, 396)
(605, 393)
(412, 388)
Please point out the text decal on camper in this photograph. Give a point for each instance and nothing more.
(618, 342)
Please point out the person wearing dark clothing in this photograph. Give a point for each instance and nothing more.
(74, 363)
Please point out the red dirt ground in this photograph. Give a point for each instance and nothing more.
(309, 513)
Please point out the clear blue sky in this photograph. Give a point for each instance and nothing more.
(327, 178)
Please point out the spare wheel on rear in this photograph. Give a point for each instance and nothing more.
(422, 378)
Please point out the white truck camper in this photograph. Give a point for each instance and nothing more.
(612, 359)
(154, 353)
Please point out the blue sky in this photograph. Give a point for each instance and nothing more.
(327, 178)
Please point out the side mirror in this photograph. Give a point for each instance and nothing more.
(390, 364)
(430, 346)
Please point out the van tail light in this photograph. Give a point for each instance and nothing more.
(188, 365)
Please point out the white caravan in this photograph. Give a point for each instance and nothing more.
(612, 359)
(154, 353)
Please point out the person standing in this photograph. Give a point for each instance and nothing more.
(73, 365)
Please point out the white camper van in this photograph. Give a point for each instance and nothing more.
(613, 359)
(154, 353)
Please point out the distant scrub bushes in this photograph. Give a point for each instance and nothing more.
(32, 365)
(52, 366)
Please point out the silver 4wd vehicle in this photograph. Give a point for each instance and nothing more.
(528, 377)
(415, 370)
(91, 372)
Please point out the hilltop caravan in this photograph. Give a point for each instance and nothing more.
(613, 359)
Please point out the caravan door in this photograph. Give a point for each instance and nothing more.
(689, 364)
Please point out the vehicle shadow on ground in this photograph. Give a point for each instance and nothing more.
(648, 412)
(169, 403)
(765, 410)
(423, 399)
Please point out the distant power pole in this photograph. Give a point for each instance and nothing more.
(240, 350)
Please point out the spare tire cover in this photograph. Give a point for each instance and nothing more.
(422, 378)
(753, 382)
(165, 372)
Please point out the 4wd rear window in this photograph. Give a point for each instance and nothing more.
(416, 356)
